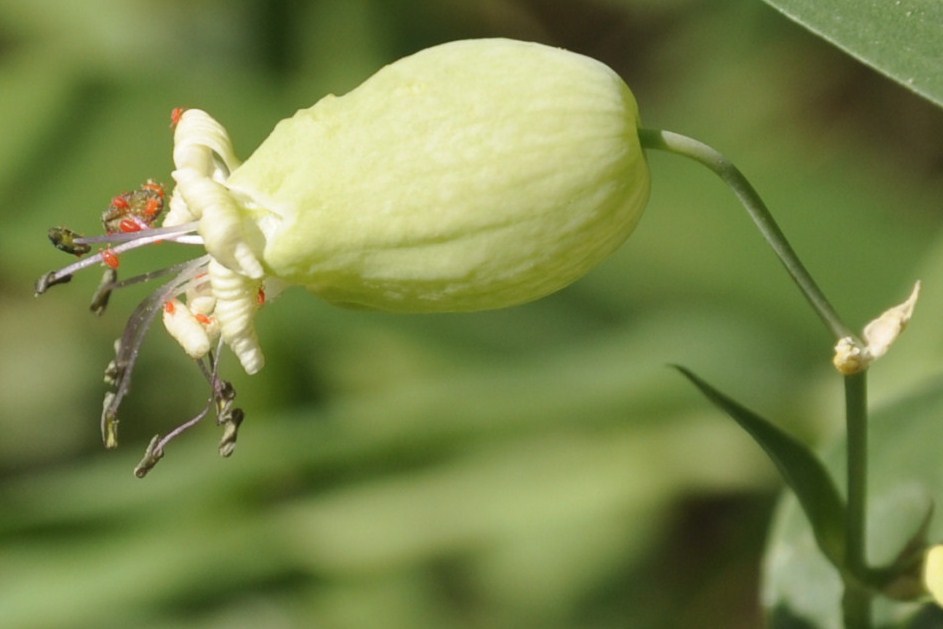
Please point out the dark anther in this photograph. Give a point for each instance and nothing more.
(223, 398)
(152, 455)
(50, 279)
(109, 423)
(227, 444)
(64, 240)
(103, 292)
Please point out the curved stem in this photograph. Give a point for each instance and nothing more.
(724, 168)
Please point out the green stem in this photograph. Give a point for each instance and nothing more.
(857, 600)
(724, 168)
(856, 415)
(856, 607)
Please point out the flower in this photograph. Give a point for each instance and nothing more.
(472, 175)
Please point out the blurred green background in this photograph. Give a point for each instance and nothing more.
(534, 467)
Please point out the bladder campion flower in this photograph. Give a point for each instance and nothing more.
(473, 175)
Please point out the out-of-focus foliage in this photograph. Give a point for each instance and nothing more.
(538, 466)
(903, 39)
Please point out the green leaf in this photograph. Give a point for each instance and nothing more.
(803, 472)
(900, 38)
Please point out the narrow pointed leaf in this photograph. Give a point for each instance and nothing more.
(802, 470)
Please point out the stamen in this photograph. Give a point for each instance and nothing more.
(119, 371)
(67, 240)
(152, 455)
(180, 233)
(103, 292)
(128, 223)
(222, 397)
(227, 444)
(50, 279)
(154, 234)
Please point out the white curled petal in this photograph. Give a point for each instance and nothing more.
(186, 330)
(201, 304)
(200, 298)
(202, 144)
(226, 234)
(236, 304)
(212, 328)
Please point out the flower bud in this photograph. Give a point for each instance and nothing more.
(472, 175)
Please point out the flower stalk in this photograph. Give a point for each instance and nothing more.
(756, 208)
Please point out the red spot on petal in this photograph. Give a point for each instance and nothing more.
(202, 318)
(169, 307)
(120, 203)
(260, 296)
(175, 115)
(110, 258)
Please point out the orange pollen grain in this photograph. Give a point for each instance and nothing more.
(110, 258)
(127, 226)
(154, 187)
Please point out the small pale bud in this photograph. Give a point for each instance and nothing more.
(850, 356)
(853, 356)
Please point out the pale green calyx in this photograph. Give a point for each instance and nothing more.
(473, 175)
